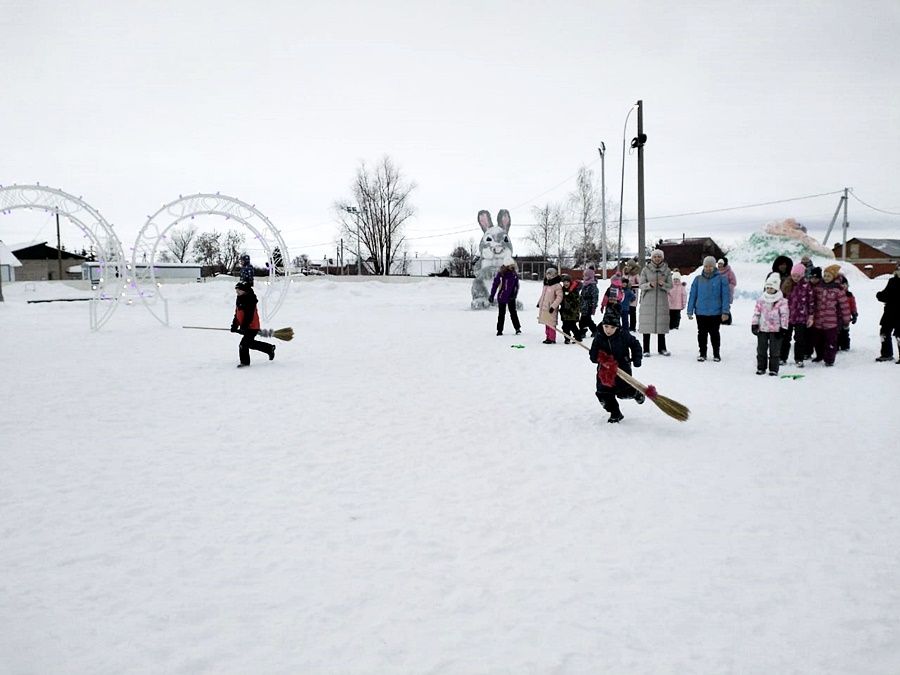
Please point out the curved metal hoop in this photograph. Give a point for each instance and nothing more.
(154, 232)
(114, 276)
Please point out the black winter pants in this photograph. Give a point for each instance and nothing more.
(801, 343)
(674, 319)
(587, 325)
(513, 315)
(708, 328)
(768, 349)
(660, 342)
(248, 342)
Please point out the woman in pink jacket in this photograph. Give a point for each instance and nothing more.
(726, 271)
(677, 300)
(548, 305)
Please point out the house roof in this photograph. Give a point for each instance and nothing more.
(39, 250)
(890, 247)
(7, 257)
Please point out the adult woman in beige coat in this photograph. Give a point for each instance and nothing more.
(655, 282)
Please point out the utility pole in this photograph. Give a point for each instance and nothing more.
(846, 225)
(58, 248)
(602, 151)
(639, 141)
(355, 212)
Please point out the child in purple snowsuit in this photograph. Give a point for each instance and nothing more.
(508, 281)
(800, 308)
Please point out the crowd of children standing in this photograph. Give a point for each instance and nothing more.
(811, 306)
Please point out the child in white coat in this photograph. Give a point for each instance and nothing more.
(770, 320)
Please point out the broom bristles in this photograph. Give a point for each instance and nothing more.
(286, 334)
(671, 407)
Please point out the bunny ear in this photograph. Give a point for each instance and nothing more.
(503, 220)
(485, 222)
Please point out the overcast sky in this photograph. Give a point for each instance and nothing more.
(485, 105)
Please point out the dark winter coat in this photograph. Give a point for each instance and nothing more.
(654, 314)
(786, 275)
(571, 304)
(625, 349)
(508, 281)
(710, 295)
(800, 302)
(831, 307)
(247, 274)
(245, 314)
(890, 296)
(590, 295)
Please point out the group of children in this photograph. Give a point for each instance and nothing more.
(810, 305)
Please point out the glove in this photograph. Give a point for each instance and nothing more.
(550, 310)
(491, 299)
(234, 328)
(690, 317)
(810, 321)
(754, 330)
(853, 318)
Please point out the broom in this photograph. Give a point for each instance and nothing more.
(672, 408)
(286, 334)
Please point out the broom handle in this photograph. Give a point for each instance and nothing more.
(619, 372)
(205, 328)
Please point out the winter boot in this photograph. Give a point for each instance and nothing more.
(272, 353)
(615, 418)
(639, 397)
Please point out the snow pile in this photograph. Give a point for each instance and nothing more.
(785, 237)
(402, 491)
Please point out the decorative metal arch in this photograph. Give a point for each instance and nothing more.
(154, 231)
(114, 275)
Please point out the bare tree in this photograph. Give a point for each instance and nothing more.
(231, 249)
(207, 248)
(382, 207)
(460, 261)
(178, 243)
(584, 204)
(546, 235)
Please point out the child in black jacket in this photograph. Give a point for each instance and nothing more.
(612, 349)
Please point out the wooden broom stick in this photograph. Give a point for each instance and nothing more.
(286, 334)
(671, 407)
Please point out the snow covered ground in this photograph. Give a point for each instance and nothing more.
(400, 491)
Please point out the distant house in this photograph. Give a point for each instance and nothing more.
(8, 264)
(687, 254)
(873, 256)
(41, 262)
(90, 271)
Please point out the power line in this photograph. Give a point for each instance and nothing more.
(531, 199)
(738, 208)
(874, 208)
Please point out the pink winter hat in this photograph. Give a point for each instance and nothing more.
(798, 271)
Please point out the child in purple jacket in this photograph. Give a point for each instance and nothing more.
(800, 308)
(508, 282)
(770, 318)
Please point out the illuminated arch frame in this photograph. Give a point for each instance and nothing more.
(114, 275)
(153, 233)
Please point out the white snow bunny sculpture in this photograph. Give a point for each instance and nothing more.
(494, 251)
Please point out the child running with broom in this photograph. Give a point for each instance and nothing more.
(612, 349)
(246, 322)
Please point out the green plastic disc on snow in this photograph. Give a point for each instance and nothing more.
(796, 376)
(518, 346)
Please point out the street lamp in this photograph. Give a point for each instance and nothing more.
(355, 212)
(622, 189)
(602, 151)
